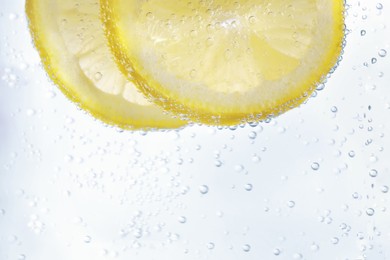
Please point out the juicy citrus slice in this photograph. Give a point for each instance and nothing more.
(71, 42)
(225, 61)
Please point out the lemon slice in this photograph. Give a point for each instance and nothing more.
(225, 61)
(71, 42)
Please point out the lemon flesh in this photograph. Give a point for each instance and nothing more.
(225, 62)
(73, 48)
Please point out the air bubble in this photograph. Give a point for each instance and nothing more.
(193, 73)
(334, 240)
(382, 53)
(218, 163)
(246, 248)
(385, 189)
(204, 189)
(360, 235)
(182, 219)
(87, 239)
(315, 166)
(277, 251)
(252, 19)
(248, 187)
(256, 158)
(362, 32)
(149, 15)
(370, 211)
(239, 168)
(98, 76)
(314, 247)
(291, 204)
(252, 135)
(320, 87)
(210, 246)
(373, 173)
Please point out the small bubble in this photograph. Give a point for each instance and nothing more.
(320, 87)
(256, 158)
(246, 248)
(351, 154)
(382, 53)
(248, 187)
(385, 189)
(373, 173)
(360, 235)
(315, 166)
(291, 204)
(335, 240)
(149, 15)
(239, 168)
(314, 247)
(328, 220)
(193, 73)
(87, 239)
(204, 189)
(98, 76)
(277, 251)
(343, 226)
(138, 233)
(218, 163)
(252, 19)
(210, 246)
(252, 135)
(182, 219)
(379, 6)
(362, 32)
(232, 127)
(370, 211)
(334, 109)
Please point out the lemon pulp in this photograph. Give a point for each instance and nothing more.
(225, 62)
(71, 42)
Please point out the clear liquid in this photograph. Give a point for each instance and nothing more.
(310, 184)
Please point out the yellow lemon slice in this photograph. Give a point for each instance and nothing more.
(72, 45)
(225, 61)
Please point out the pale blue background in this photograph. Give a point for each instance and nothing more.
(72, 188)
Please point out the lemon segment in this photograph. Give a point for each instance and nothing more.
(71, 42)
(225, 62)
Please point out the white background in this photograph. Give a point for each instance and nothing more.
(73, 188)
